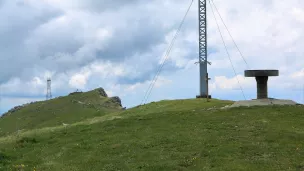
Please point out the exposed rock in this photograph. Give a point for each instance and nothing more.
(113, 100)
(212, 108)
(80, 102)
(76, 101)
(225, 107)
(116, 100)
(102, 92)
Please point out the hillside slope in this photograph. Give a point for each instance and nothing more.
(167, 135)
(69, 109)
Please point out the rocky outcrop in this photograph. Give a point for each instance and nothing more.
(110, 102)
(115, 100)
(102, 92)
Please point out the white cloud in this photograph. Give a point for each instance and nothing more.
(161, 81)
(298, 75)
(79, 80)
(108, 69)
(117, 46)
(298, 14)
(224, 83)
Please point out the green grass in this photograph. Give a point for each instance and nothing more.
(56, 112)
(167, 135)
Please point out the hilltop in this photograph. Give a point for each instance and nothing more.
(75, 107)
(168, 135)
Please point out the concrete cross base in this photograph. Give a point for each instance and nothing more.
(203, 96)
(262, 102)
(261, 77)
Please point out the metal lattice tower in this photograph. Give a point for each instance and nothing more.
(202, 15)
(49, 90)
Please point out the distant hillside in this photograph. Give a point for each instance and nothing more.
(179, 135)
(75, 107)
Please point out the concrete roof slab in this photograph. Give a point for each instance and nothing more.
(258, 73)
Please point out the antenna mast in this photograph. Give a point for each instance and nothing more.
(202, 16)
(49, 90)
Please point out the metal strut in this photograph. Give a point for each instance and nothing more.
(202, 15)
(48, 90)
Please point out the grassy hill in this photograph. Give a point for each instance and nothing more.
(69, 109)
(167, 135)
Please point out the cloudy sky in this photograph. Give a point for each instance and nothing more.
(118, 45)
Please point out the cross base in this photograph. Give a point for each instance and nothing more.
(203, 96)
